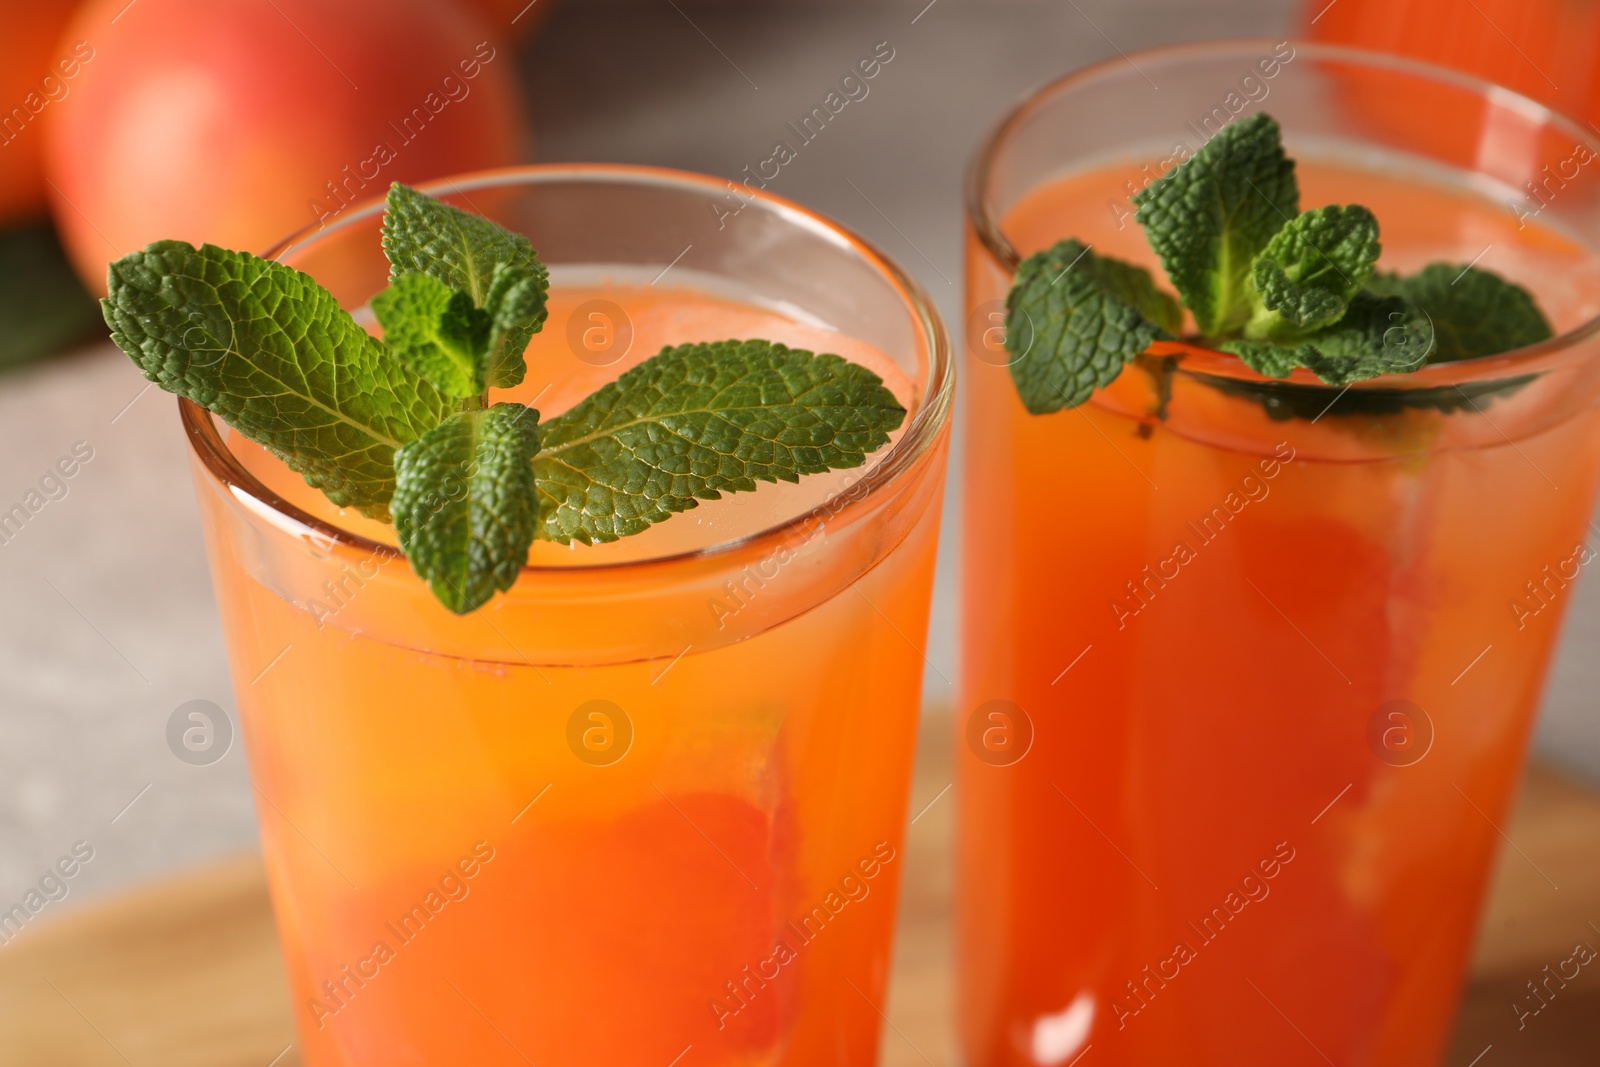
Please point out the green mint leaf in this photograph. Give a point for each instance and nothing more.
(436, 331)
(498, 269)
(1074, 320)
(1267, 357)
(1377, 335)
(516, 307)
(1310, 269)
(465, 507)
(696, 421)
(1475, 312)
(1134, 286)
(1210, 216)
(274, 355)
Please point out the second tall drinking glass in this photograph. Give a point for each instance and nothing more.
(1250, 666)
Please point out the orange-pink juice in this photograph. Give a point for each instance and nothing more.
(1279, 672)
(646, 805)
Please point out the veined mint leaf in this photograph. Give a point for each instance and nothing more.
(1074, 320)
(1475, 312)
(1134, 286)
(1210, 216)
(435, 330)
(1267, 357)
(498, 269)
(465, 506)
(1377, 335)
(516, 308)
(699, 420)
(274, 355)
(1310, 269)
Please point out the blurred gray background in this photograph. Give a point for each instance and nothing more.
(108, 622)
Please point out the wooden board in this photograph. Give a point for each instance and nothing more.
(186, 973)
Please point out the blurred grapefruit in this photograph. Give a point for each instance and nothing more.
(239, 122)
(33, 79)
(510, 18)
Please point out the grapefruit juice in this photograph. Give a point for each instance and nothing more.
(1250, 667)
(646, 805)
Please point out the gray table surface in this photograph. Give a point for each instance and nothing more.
(109, 623)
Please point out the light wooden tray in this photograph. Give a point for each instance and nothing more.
(186, 973)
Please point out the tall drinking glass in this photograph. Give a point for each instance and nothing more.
(1250, 665)
(1547, 49)
(647, 805)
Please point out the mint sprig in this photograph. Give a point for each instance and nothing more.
(1278, 288)
(700, 420)
(402, 426)
(274, 355)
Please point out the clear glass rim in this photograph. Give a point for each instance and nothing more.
(929, 421)
(986, 224)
